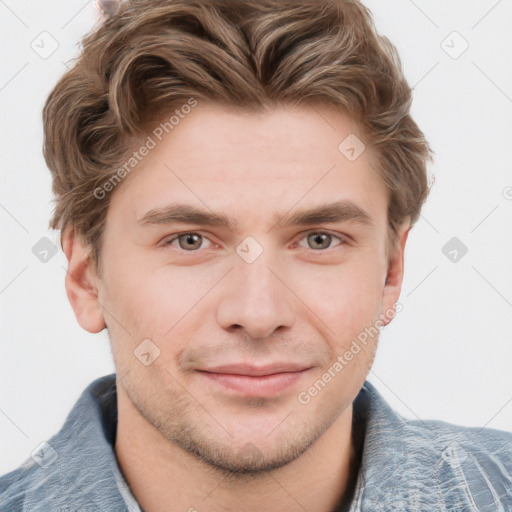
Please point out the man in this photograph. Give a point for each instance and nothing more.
(235, 183)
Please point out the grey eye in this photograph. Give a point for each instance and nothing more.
(319, 240)
(187, 241)
(190, 241)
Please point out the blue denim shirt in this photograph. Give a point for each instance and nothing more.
(405, 465)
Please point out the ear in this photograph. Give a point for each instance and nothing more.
(80, 283)
(395, 273)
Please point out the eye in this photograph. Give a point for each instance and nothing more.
(319, 240)
(189, 242)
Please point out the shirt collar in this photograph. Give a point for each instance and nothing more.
(404, 464)
(89, 434)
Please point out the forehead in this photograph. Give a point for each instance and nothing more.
(255, 164)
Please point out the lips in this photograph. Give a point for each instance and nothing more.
(256, 371)
(252, 381)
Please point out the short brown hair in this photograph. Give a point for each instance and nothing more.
(155, 55)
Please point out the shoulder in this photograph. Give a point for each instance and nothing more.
(430, 463)
(432, 434)
(65, 470)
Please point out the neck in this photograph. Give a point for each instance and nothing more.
(162, 476)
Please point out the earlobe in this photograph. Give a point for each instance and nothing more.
(81, 283)
(395, 274)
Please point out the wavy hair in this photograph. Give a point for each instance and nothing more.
(153, 56)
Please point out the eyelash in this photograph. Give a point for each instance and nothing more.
(341, 238)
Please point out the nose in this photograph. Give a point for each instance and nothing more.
(256, 298)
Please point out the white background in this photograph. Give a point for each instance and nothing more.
(446, 356)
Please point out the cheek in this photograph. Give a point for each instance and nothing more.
(349, 310)
(345, 297)
(153, 302)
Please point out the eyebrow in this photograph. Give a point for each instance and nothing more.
(338, 211)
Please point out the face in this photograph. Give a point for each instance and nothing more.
(240, 262)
